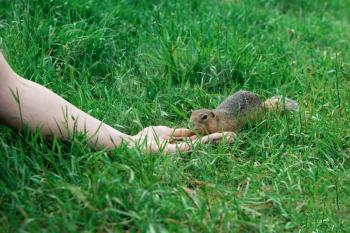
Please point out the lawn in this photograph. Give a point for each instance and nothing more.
(135, 63)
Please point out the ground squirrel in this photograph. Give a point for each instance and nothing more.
(236, 110)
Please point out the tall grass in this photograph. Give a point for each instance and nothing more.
(138, 63)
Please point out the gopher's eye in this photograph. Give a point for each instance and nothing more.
(204, 117)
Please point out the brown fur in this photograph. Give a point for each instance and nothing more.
(235, 112)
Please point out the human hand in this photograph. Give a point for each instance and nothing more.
(169, 140)
(162, 138)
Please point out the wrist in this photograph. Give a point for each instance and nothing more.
(116, 138)
(128, 140)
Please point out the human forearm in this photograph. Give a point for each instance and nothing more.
(26, 103)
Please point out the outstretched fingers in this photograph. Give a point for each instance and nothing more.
(217, 137)
(178, 140)
(227, 137)
(176, 147)
(182, 132)
(164, 146)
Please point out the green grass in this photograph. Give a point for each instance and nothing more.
(140, 63)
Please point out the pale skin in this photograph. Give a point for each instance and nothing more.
(25, 103)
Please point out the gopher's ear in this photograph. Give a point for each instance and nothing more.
(212, 114)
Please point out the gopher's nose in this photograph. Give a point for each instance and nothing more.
(195, 126)
(201, 130)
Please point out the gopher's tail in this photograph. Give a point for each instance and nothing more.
(281, 103)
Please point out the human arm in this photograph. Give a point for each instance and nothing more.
(23, 102)
(26, 103)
